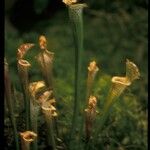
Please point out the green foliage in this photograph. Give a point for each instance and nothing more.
(115, 5)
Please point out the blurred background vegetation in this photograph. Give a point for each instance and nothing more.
(114, 30)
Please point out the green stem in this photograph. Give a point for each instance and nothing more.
(48, 111)
(51, 138)
(25, 145)
(110, 100)
(34, 111)
(76, 18)
(23, 74)
(9, 104)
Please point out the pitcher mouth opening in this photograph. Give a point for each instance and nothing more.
(121, 80)
(24, 63)
(29, 136)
